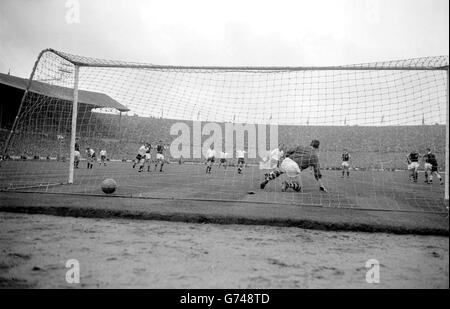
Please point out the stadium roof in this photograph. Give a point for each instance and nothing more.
(96, 99)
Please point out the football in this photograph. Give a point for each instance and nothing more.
(109, 186)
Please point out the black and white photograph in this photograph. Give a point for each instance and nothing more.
(227, 150)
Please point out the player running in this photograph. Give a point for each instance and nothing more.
(240, 154)
(223, 159)
(77, 154)
(102, 157)
(76, 160)
(77, 145)
(272, 160)
(140, 154)
(345, 164)
(413, 165)
(431, 167)
(160, 148)
(145, 157)
(91, 157)
(297, 159)
(210, 158)
(148, 156)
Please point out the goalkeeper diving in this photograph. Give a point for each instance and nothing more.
(296, 160)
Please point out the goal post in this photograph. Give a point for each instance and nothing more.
(74, 124)
(447, 137)
(379, 112)
(22, 100)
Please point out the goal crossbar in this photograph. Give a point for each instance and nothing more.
(415, 64)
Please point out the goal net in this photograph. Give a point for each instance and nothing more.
(378, 113)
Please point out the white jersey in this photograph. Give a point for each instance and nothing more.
(210, 153)
(142, 150)
(270, 161)
(103, 153)
(240, 154)
(276, 154)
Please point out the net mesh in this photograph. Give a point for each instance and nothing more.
(378, 112)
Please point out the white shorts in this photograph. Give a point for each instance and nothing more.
(290, 167)
(345, 164)
(159, 156)
(76, 154)
(428, 166)
(413, 165)
(148, 157)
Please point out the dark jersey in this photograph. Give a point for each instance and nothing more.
(160, 149)
(413, 157)
(345, 157)
(430, 158)
(90, 153)
(305, 157)
(77, 147)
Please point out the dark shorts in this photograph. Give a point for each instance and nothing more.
(212, 159)
(434, 168)
(103, 158)
(138, 157)
(241, 161)
(223, 160)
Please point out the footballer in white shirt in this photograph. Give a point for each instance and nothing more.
(140, 155)
(102, 157)
(210, 158)
(223, 159)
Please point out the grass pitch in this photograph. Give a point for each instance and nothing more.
(368, 200)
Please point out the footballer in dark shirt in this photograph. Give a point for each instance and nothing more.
(431, 167)
(413, 165)
(345, 164)
(297, 159)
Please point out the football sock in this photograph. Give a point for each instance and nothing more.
(273, 175)
(293, 185)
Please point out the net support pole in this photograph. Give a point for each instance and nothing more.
(22, 101)
(447, 136)
(74, 124)
(120, 126)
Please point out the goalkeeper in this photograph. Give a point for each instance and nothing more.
(297, 159)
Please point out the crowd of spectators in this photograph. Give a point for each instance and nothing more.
(370, 147)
